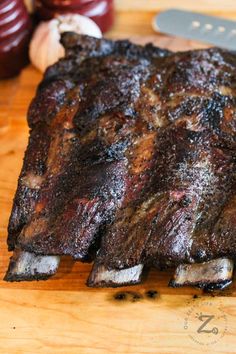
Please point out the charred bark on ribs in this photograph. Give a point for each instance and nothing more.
(131, 162)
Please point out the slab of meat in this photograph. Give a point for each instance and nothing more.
(131, 161)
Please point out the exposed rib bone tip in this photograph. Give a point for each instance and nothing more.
(215, 274)
(102, 277)
(28, 266)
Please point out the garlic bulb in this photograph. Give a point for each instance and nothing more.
(45, 47)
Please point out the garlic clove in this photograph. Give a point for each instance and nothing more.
(45, 47)
(79, 24)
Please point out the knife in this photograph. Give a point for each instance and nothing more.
(191, 25)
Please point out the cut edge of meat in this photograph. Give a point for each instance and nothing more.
(103, 277)
(212, 275)
(26, 266)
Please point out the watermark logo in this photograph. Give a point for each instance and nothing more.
(205, 322)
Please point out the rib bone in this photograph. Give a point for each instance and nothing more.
(101, 276)
(215, 274)
(28, 266)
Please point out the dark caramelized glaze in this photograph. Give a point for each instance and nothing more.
(131, 154)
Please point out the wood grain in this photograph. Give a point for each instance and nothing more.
(210, 6)
(85, 323)
(62, 315)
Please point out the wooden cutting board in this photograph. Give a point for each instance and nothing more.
(62, 315)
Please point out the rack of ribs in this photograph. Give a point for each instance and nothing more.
(130, 164)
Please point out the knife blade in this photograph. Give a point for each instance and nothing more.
(192, 25)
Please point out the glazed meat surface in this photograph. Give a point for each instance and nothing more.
(131, 157)
(83, 122)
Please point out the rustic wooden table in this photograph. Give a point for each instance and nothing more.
(62, 315)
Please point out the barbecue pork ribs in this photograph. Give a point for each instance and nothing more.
(131, 163)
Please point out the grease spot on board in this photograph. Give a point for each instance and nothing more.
(128, 296)
(135, 296)
(152, 294)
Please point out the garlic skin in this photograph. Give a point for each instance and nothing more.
(45, 47)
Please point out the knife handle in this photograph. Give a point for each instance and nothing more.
(196, 26)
